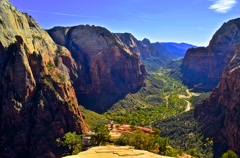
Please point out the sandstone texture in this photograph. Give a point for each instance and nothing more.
(220, 113)
(37, 100)
(202, 67)
(115, 152)
(107, 69)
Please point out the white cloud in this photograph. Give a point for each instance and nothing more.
(223, 6)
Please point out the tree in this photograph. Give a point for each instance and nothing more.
(162, 144)
(73, 141)
(193, 152)
(141, 140)
(156, 131)
(144, 141)
(124, 139)
(102, 133)
(229, 154)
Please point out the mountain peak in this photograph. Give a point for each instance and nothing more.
(146, 41)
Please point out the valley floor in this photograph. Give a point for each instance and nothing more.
(164, 103)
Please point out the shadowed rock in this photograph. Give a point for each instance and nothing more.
(220, 113)
(37, 100)
(107, 69)
(202, 67)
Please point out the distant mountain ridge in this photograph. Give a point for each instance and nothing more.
(177, 50)
(149, 54)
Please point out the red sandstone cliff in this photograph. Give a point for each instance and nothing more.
(37, 100)
(220, 113)
(202, 67)
(107, 68)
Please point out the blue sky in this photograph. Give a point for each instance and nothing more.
(190, 21)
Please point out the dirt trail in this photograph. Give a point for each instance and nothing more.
(166, 98)
(189, 95)
(188, 106)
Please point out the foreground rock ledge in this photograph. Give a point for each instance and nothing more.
(115, 152)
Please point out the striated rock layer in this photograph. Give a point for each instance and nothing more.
(220, 113)
(107, 69)
(37, 100)
(202, 67)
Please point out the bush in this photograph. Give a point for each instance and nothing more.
(193, 152)
(162, 144)
(73, 141)
(102, 134)
(143, 141)
(229, 154)
(124, 139)
(172, 152)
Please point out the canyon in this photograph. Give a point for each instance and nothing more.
(46, 74)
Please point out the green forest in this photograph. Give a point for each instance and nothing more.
(164, 104)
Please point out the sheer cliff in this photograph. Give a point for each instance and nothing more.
(202, 67)
(107, 68)
(37, 100)
(220, 113)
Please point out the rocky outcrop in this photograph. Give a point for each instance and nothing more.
(202, 67)
(144, 48)
(37, 100)
(116, 152)
(220, 113)
(107, 69)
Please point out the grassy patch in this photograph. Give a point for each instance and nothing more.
(92, 118)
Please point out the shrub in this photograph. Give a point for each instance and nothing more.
(73, 141)
(102, 133)
(143, 141)
(229, 154)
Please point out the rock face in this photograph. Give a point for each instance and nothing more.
(144, 48)
(116, 152)
(202, 67)
(220, 114)
(107, 69)
(37, 100)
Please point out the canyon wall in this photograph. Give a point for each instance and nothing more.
(107, 68)
(37, 100)
(202, 67)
